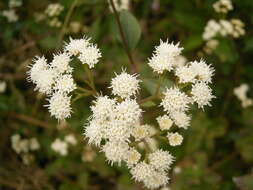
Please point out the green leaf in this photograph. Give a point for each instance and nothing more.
(131, 29)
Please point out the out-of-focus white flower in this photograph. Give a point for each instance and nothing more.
(90, 55)
(61, 63)
(54, 9)
(55, 22)
(203, 71)
(161, 160)
(175, 139)
(164, 122)
(132, 157)
(115, 152)
(59, 106)
(128, 112)
(15, 3)
(177, 170)
(34, 144)
(180, 61)
(238, 26)
(202, 94)
(71, 139)
(60, 147)
(164, 57)
(210, 46)
(120, 5)
(174, 100)
(223, 6)
(103, 108)
(11, 15)
(241, 93)
(140, 132)
(75, 27)
(211, 29)
(76, 46)
(125, 85)
(65, 84)
(181, 119)
(226, 27)
(88, 154)
(2, 86)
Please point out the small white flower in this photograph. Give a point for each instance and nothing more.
(125, 85)
(76, 46)
(168, 49)
(185, 74)
(120, 5)
(61, 63)
(71, 139)
(161, 160)
(15, 3)
(164, 122)
(90, 55)
(60, 147)
(181, 119)
(59, 106)
(2, 86)
(65, 84)
(132, 157)
(175, 139)
(158, 179)
(223, 6)
(202, 94)
(128, 112)
(115, 152)
(140, 132)
(34, 144)
(94, 131)
(180, 61)
(142, 171)
(211, 29)
(160, 63)
(11, 15)
(103, 108)
(226, 27)
(203, 71)
(118, 131)
(54, 9)
(174, 100)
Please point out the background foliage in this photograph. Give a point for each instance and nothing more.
(217, 152)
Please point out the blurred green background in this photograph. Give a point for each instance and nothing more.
(217, 153)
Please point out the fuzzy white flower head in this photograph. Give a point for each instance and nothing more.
(158, 179)
(180, 61)
(241, 91)
(128, 112)
(2, 86)
(203, 71)
(94, 131)
(161, 160)
(125, 85)
(34, 144)
(168, 49)
(175, 139)
(223, 6)
(45, 81)
(59, 106)
(40, 64)
(61, 63)
(118, 131)
(71, 139)
(164, 122)
(54, 9)
(175, 100)
(202, 94)
(226, 27)
(60, 147)
(103, 108)
(211, 29)
(115, 152)
(185, 74)
(140, 132)
(65, 84)
(90, 55)
(132, 157)
(160, 63)
(11, 15)
(142, 171)
(76, 46)
(181, 119)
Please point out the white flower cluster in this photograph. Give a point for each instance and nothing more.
(241, 93)
(11, 14)
(61, 146)
(165, 57)
(223, 6)
(52, 12)
(15, 3)
(119, 5)
(55, 79)
(116, 123)
(24, 147)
